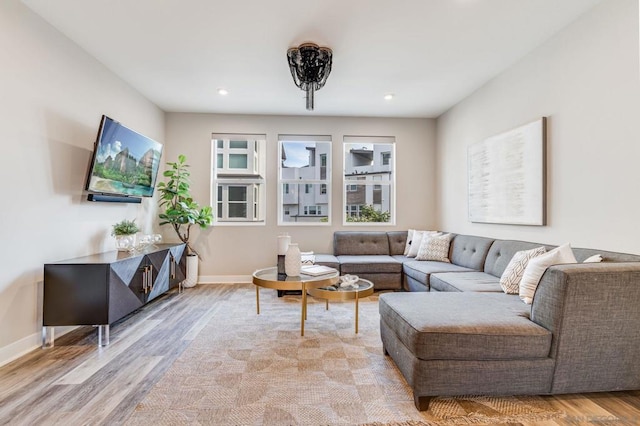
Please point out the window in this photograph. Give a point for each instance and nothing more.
(237, 161)
(304, 180)
(369, 181)
(238, 144)
(386, 156)
(238, 183)
(237, 199)
(312, 210)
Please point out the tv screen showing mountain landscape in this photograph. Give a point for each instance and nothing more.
(125, 162)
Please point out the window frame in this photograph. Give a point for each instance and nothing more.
(310, 187)
(252, 177)
(373, 180)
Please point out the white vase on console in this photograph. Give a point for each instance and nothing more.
(293, 260)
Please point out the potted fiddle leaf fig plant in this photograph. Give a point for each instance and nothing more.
(125, 234)
(182, 212)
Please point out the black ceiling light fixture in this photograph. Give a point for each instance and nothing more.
(310, 66)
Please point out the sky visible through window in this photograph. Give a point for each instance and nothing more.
(297, 153)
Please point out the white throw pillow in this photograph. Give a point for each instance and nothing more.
(435, 247)
(596, 258)
(538, 265)
(417, 240)
(510, 279)
(409, 238)
(566, 254)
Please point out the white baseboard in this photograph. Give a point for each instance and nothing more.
(25, 345)
(16, 349)
(224, 279)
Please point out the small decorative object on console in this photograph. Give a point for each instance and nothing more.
(125, 234)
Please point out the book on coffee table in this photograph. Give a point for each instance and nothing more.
(316, 270)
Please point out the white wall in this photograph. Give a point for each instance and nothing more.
(52, 95)
(586, 80)
(237, 251)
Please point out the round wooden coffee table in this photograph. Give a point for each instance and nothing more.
(335, 292)
(269, 278)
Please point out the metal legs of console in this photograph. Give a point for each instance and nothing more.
(48, 336)
(103, 334)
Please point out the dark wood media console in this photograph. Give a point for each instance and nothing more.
(102, 288)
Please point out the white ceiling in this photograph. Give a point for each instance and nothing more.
(430, 53)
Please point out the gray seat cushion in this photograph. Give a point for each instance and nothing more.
(420, 270)
(402, 258)
(464, 326)
(327, 260)
(369, 264)
(465, 281)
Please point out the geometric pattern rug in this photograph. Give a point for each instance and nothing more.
(247, 369)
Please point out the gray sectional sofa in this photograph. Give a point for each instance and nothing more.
(370, 255)
(455, 332)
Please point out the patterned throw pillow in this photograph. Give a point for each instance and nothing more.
(416, 240)
(435, 248)
(510, 279)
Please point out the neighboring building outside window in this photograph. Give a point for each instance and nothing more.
(304, 173)
(369, 180)
(238, 178)
(386, 156)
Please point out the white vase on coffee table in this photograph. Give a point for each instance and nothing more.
(293, 261)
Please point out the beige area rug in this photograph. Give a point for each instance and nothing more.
(248, 369)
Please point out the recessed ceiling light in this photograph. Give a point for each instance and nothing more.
(223, 92)
(388, 96)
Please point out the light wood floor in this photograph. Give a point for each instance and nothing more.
(77, 383)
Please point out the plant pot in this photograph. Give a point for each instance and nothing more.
(192, 271)
(125, 242)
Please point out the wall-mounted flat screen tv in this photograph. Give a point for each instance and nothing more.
(125, 163)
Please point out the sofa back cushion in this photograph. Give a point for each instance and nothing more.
(397, 242)
(360, 243)
(502, 251)
(607, 256)
(469, 251)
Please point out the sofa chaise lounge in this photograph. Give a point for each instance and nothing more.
(456, 332)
